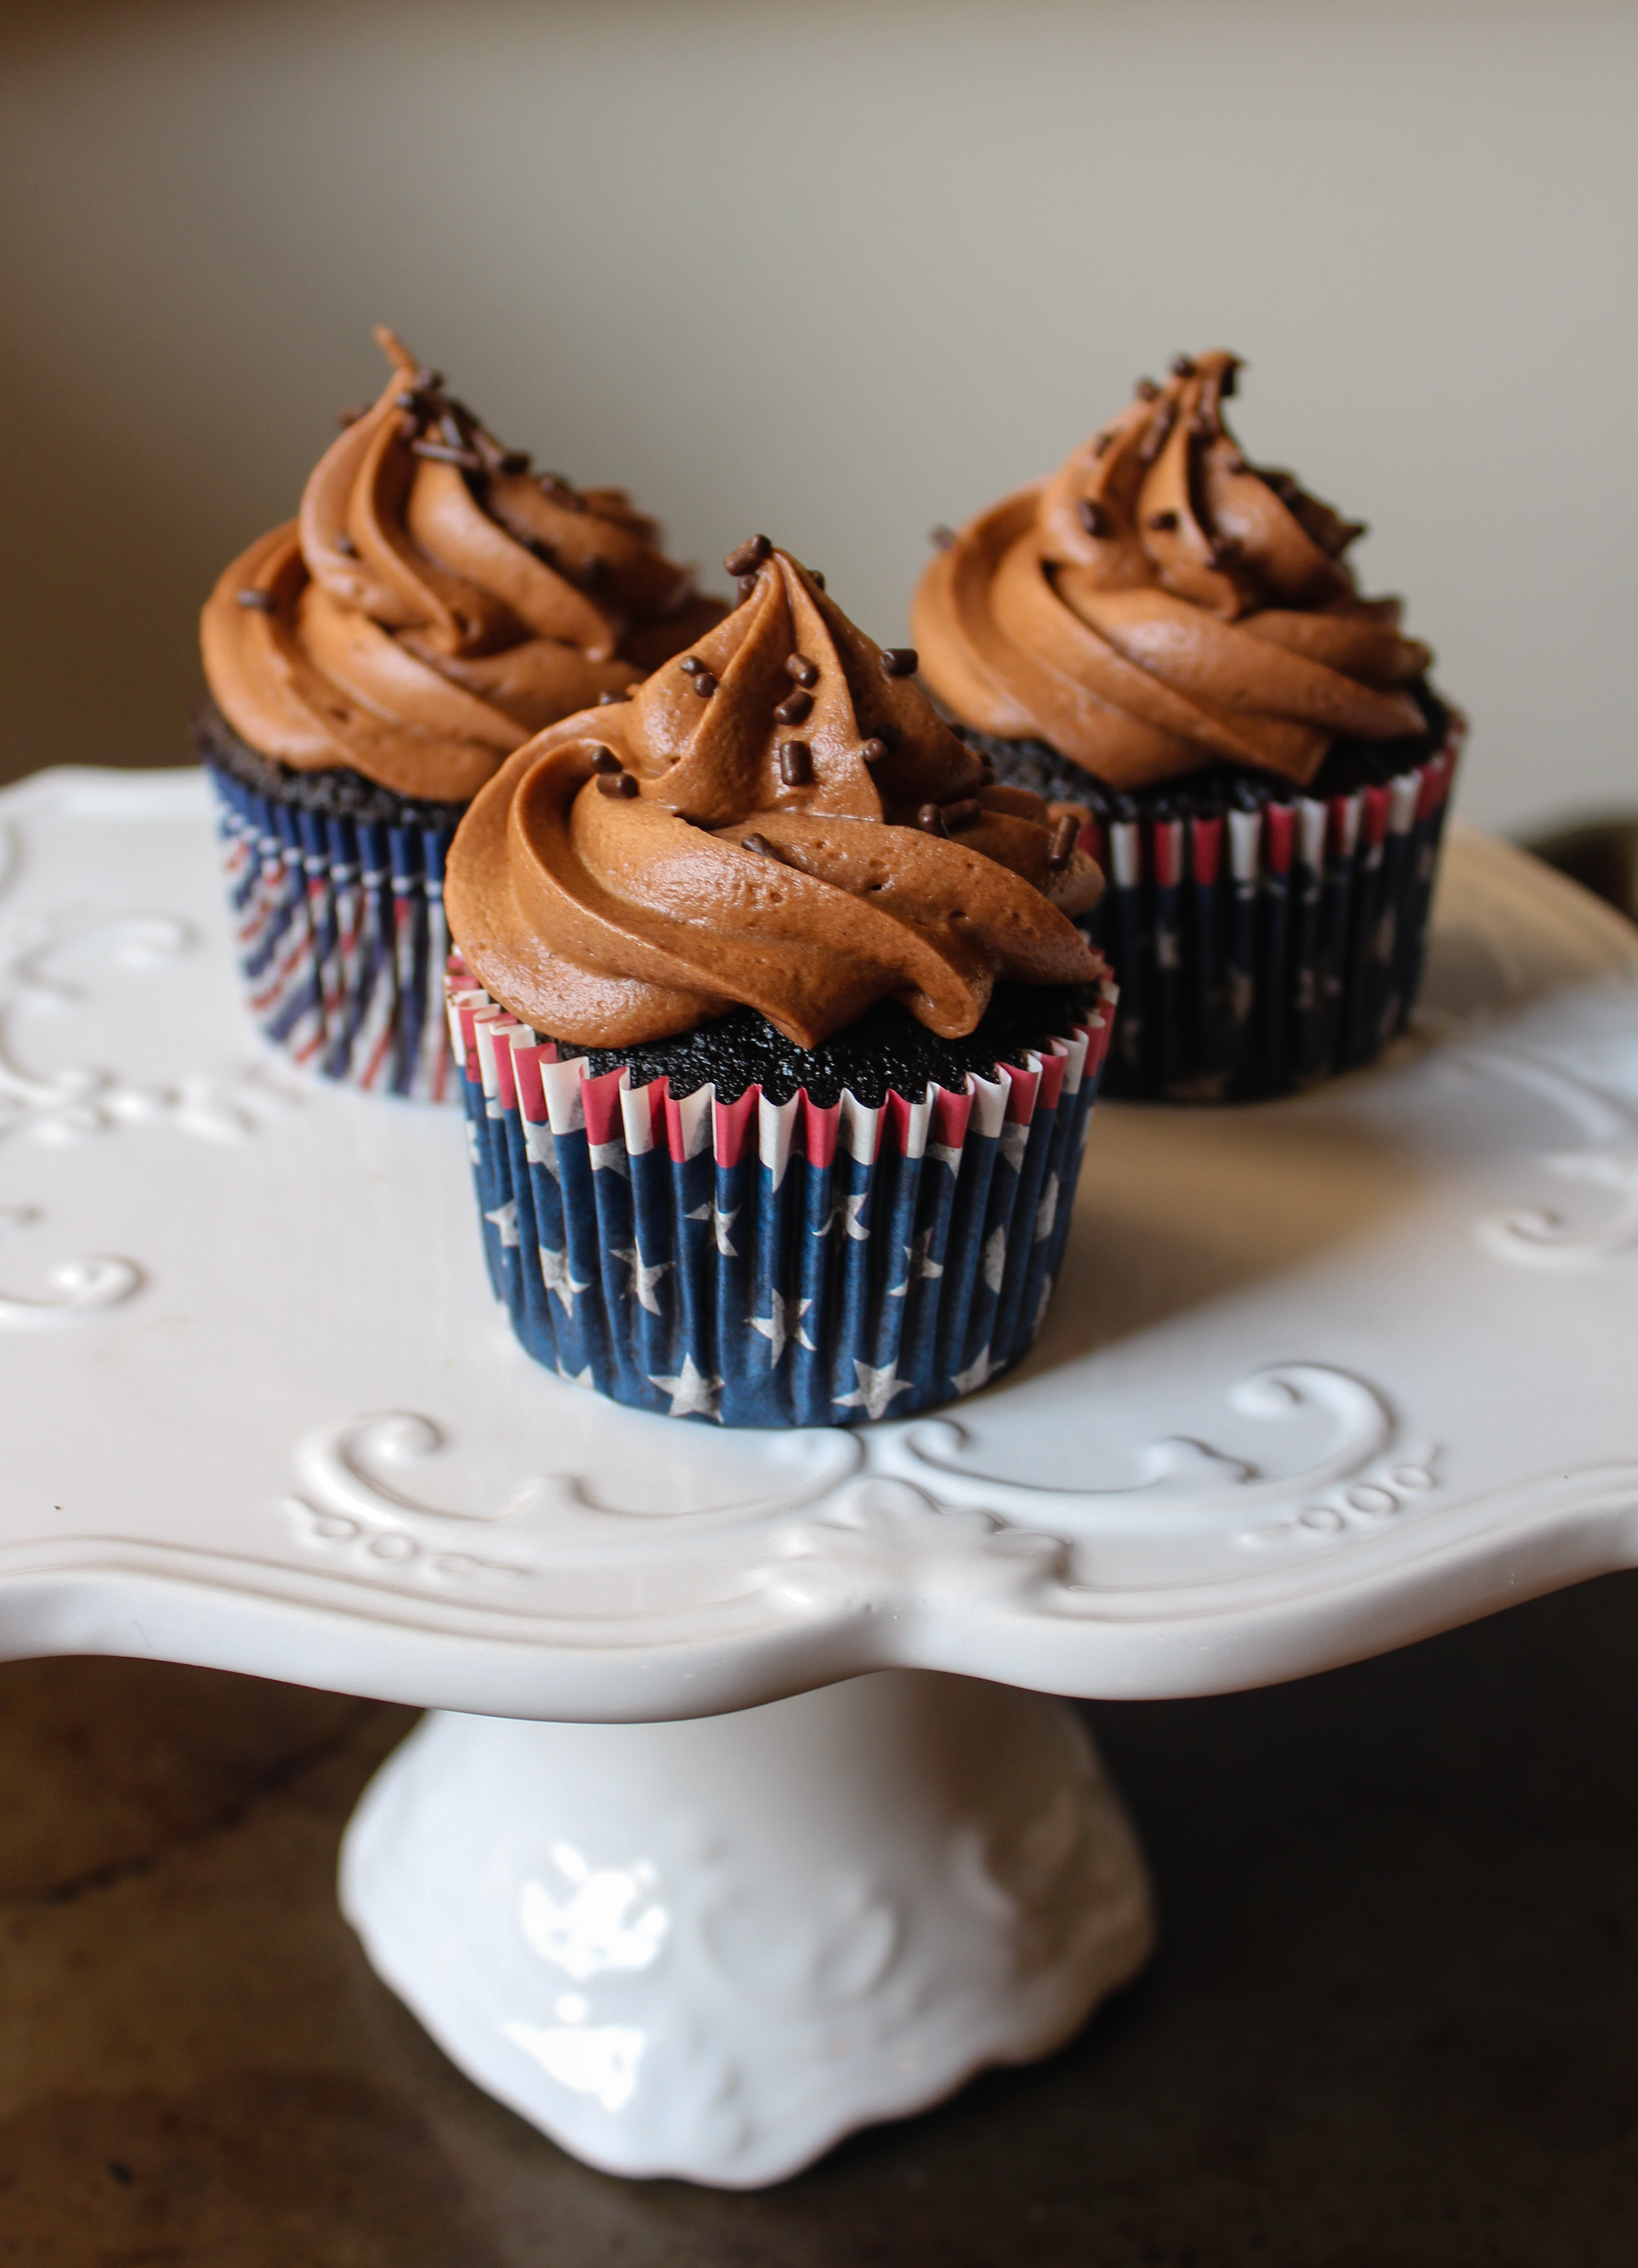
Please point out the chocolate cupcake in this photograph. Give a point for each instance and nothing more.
(371, 665)
(1171, 639)
(779, 1038)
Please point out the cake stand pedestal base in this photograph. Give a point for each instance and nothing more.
(711, 1949)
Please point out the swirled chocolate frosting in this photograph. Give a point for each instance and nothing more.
(437, 602)
(1159, 605)
(779, 819)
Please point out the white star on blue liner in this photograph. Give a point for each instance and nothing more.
(692, 1394)
(610, 1157)
(849, 1208)
(995, 1259)
(775, 1326)
(874, 1390)
(916, 1254)
(643, 1277)
(978, 1373)
(721, 1223)
(560, 1278)
(505, 1220)
(1015, 1142)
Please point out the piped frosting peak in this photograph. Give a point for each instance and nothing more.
(436, 601)
(1161, 604)
(779, 819)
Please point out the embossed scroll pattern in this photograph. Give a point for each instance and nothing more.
(1606, 1166)
(876, 1513)
(77, 1103)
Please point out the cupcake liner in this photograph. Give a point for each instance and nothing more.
(339, 929)
(1260, 951)
(761, 1263)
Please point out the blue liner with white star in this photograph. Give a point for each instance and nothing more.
(339, 930)
(761, 1263)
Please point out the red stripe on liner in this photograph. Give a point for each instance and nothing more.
(818, 1126)
(1167, 853)
(526, 1062)
(1022, 1088)
(1053, 1069)
(505, 1090)
(602, 1100)
(733, 1126)
(895, 1123)
(1207, 847)
(950, 1115)
(1279, 832)
(1375, 826)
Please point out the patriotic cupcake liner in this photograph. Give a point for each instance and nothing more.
(1262, 950)
(763, 1264)
(339, 930)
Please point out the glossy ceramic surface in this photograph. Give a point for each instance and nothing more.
(1322, 1374)
(713, 1948)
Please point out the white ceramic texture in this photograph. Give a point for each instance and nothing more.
(1321, 1376)
(713, 1948)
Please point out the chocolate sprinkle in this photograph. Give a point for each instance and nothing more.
(350, 416)
(793, 708)
(796, 763)
(616, 783)
(900, 661)
(761, 846)
(1163, 522)
(691, 665)
(815, 577)
(748, 555)
(345, 545)
(608, 698)
(799, 667)
(1093, 517)
(469, 459)
(930, 819)
(1146, 389)
(1183, 366)
(747, 584)
(257, 602)
(942, 538)
(967, 812)
(604, 760)
(875, 752)
(1157, 436)
(705, 684)
(1066, 834)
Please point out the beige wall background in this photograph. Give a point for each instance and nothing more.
(835, 271)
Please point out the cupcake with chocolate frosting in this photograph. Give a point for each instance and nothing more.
(371, 665)
(1171, 638)
(778, 1033)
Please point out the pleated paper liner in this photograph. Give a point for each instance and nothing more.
(339, 930)
(1262, 950)
(761, 1263)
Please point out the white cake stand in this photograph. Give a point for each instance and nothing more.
(1323, 1376)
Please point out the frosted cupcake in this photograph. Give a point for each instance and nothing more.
(371, 664)
(1171, 636)
(779, 1038)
